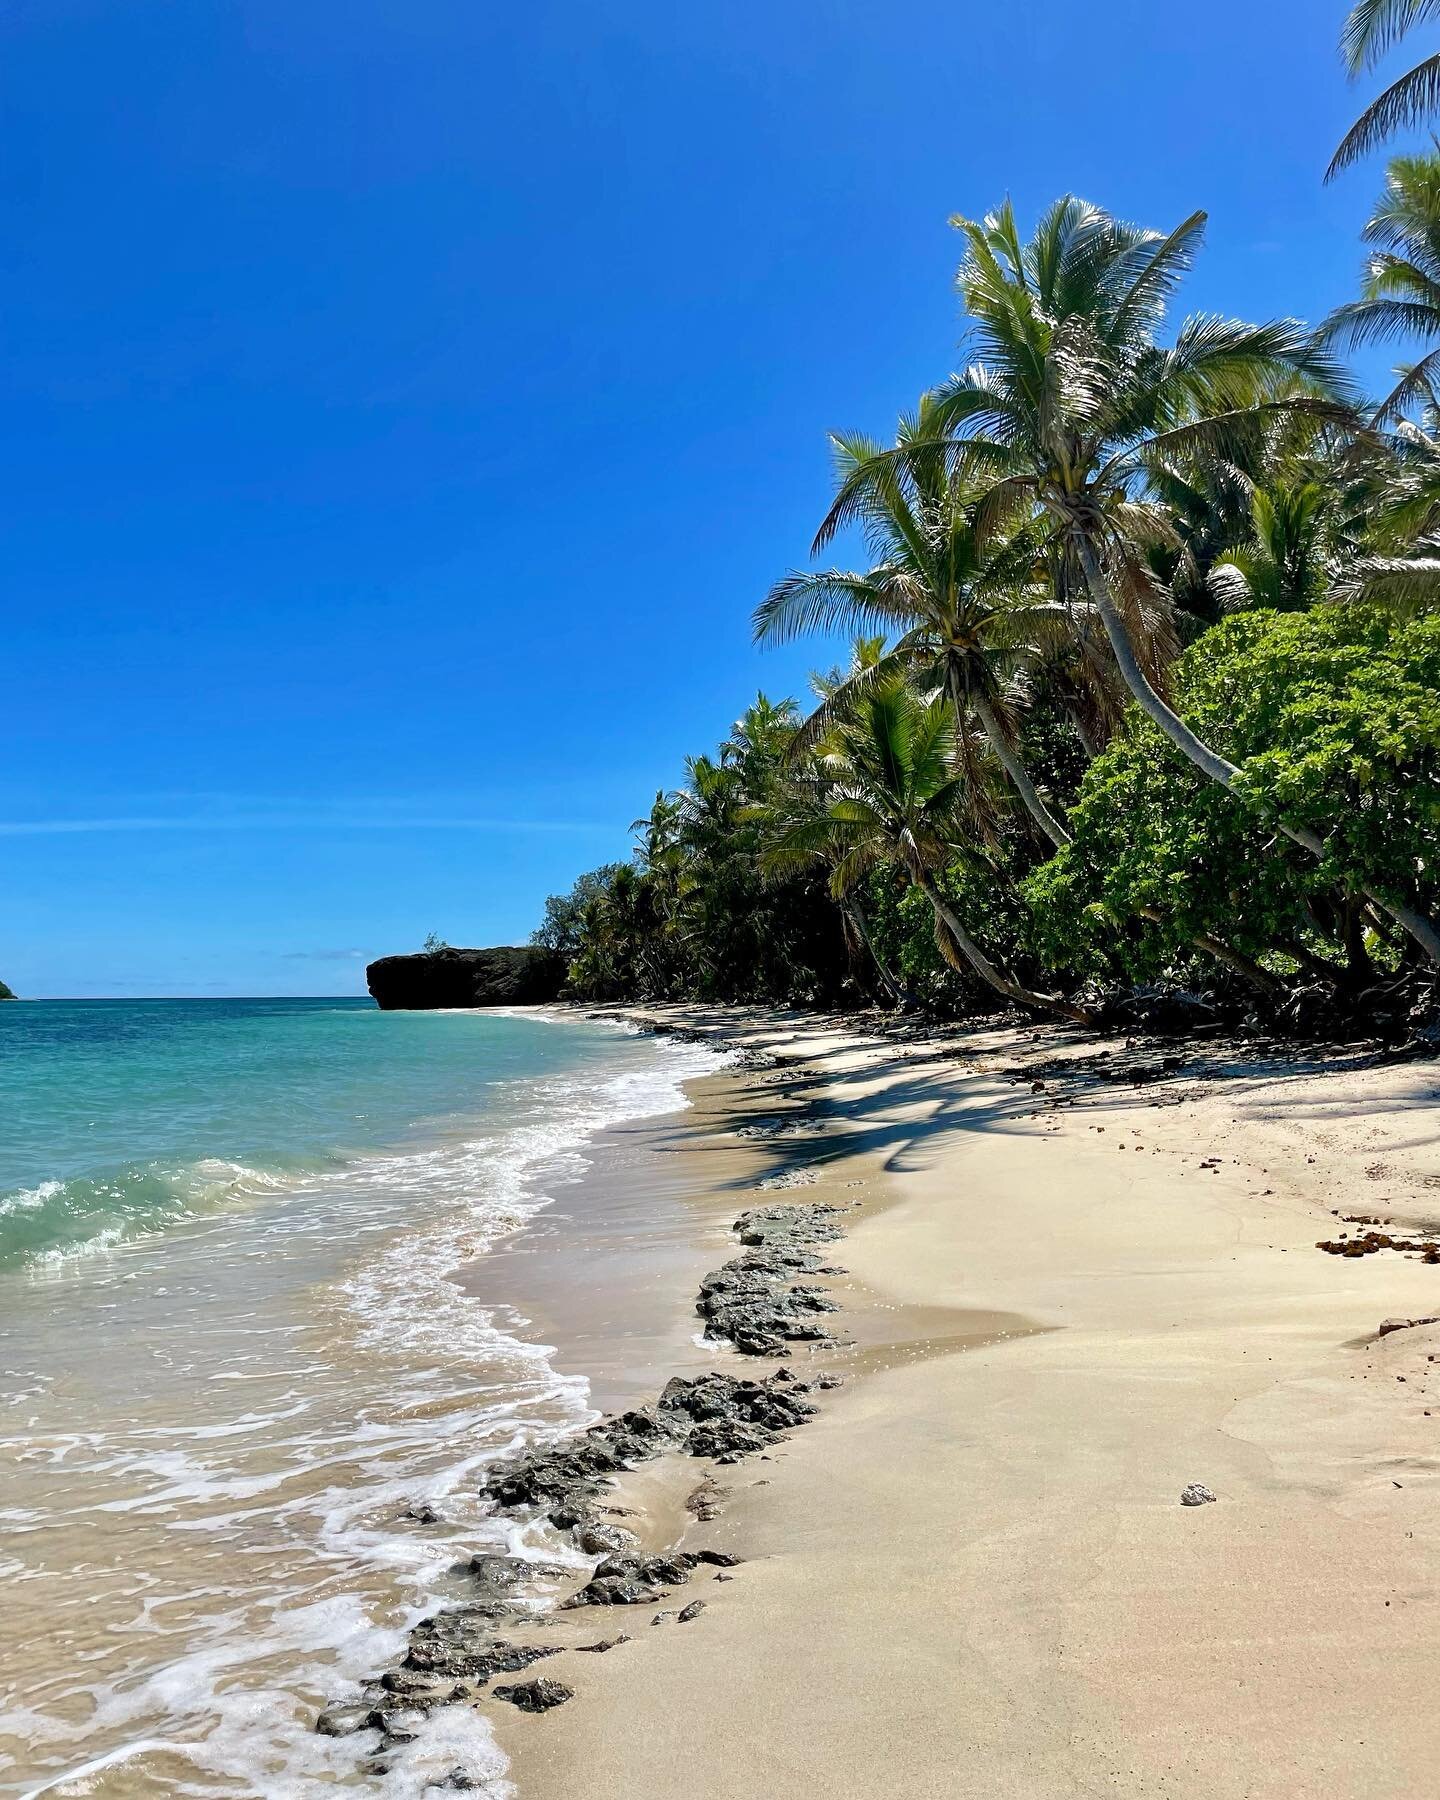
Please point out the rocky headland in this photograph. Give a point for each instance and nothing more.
(504, 975)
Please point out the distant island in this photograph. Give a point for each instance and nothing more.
(6, 993)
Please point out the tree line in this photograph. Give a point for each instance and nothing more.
(1144, 678)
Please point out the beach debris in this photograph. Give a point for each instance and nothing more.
(1369, 1243)
(1389, 1325)
(1196, 1494)
(536, 1696)
(692, 1611)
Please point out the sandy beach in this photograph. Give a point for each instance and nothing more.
(1066, 1297)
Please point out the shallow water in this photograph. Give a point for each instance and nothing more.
(232, 1355)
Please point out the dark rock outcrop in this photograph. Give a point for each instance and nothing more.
(508, 975)
(757, 1301)
(536, 1696)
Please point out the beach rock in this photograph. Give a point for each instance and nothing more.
(789, 1178)
(747, 1304)
(1389, 1325)
(564, 1478)
(398, 1725)
(692, 1611)
(730, 1416)
(596, 1538)
(506, 975)
(341, 1719)
(462, 1645)
(418, 1688)
(788, 1225)
(536, 1696)
(508, 1574)
(599, 1649)
(1197, 1494)
(632, 1580)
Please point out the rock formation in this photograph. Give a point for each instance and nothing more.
(508, 975)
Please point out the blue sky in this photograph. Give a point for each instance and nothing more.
(406, 401)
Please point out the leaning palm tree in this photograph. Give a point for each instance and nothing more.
(1372, 28)
(896, 797)
(965, 612)
(1075, 395)
(1400, 293)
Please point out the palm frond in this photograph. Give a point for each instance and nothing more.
(1408, 101)
(1372, 27)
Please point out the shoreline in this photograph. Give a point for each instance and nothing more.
(971, 1573)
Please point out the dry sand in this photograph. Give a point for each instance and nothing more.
(972, 1577)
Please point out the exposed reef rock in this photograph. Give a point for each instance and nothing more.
(755, 1302)
(508, 975)
(536, 1696)
(637, 1580)
(715, 1415)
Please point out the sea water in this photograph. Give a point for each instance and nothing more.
(232, 1357)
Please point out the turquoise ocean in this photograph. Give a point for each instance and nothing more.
(233, 1353)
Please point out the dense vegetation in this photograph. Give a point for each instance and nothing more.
(1144, 686)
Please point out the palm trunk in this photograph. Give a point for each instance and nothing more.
(1015, 769)
(986, 970)
(1208, 761)
(1244, 966)
(1088, 742)
(862, 931)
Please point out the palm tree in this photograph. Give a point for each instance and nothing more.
(1288, 564)
(1400, 293)
(1372, 28)
(1077, 396)
(964, 611)
(895, 796)
(794, 828)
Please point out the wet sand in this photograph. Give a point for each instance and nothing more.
(972, 1575)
